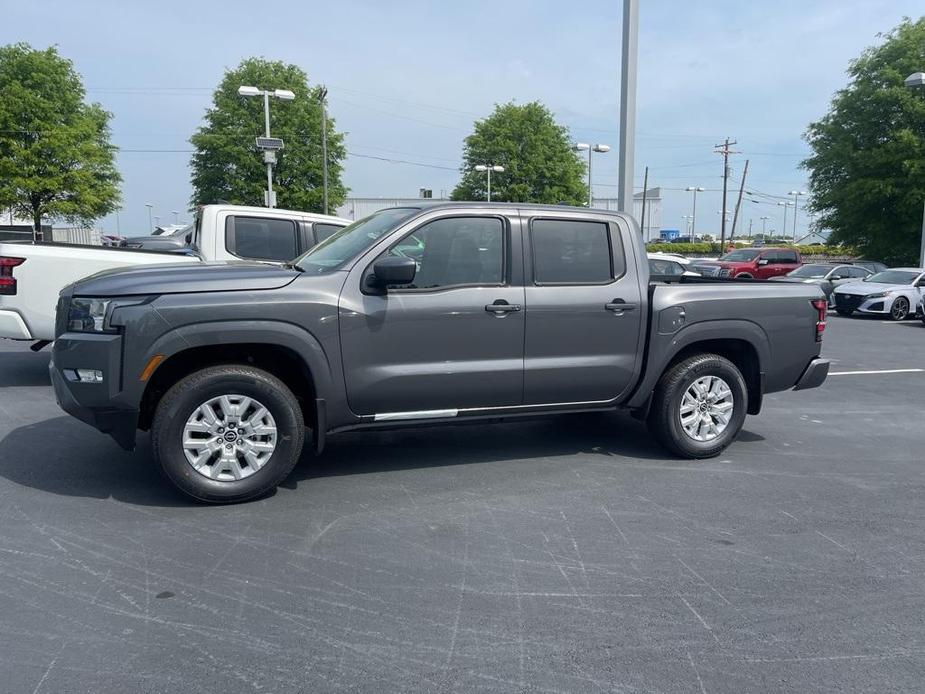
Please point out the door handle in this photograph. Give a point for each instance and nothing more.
(500, 307)
(619, 306)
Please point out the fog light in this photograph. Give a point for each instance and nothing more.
(89, 376)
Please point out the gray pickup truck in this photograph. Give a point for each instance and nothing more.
(424, 314)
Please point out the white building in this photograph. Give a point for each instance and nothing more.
(358, 208)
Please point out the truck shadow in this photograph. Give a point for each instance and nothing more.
(24, 369)
(63, 456)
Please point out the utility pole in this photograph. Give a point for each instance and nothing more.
(735, 217)
(323, 97)
(628, 105)
(725, 151)
(645, 189)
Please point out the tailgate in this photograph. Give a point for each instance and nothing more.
(32, 276)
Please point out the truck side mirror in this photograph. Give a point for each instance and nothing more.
(393, 270)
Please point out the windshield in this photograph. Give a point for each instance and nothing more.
(741, 254)
(811, 271)
(335, 251)
(893, 277)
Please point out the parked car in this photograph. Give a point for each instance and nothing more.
(668, 266)
(894, 293)
(825, 275)
(871, 265)
(511, 310)
(758, 263)
(167, 240)
(33, 274)
(921, 311)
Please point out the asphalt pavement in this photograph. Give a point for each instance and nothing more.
(563, 555)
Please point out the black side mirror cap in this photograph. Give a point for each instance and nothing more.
(393, 270)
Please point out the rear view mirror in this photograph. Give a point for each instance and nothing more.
(393, 270)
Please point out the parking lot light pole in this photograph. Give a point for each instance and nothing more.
(785, 205)
(796, 199)
(488, 168)
(917, 81)
(150, 220)
(694, 190)
(764, 226)
(584, 147)
(269, 155)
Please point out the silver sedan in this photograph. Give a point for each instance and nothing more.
(826, 275)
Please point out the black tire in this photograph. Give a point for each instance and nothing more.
(179, 403)
(664, 418)
(899, 311)
(744, 276)
(843, 312)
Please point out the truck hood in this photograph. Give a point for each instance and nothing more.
(184, 278)
(865, 288)
(800, 280)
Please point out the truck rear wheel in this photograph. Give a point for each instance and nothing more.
(699, 406)
(227, 433)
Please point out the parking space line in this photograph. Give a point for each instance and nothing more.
(878, 371)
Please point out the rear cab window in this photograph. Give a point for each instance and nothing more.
(568, 251)
(262, 238)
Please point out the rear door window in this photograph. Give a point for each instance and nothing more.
(259, 238)
(571, 252)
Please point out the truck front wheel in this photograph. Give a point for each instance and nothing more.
(699, 406)
(227, 433)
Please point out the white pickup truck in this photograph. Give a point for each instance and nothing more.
(33, 274)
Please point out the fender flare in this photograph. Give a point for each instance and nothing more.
(664, 348)
(269, 332)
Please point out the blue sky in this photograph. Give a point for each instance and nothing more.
(408, 78)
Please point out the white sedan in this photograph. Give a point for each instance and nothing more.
(668, 265)
(895, 293)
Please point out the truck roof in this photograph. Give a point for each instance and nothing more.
(314, 216)
(443, 204)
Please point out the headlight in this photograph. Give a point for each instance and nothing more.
(89, 315)
(879, 295)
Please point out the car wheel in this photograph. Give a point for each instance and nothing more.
(843, 312)
(900, 309)
(228, 433)
(744, 276)
(699, 406)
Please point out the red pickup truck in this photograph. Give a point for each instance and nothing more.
(757, 263)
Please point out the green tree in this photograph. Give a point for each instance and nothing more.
(55, 158)
(227, 165)
(867, 170)
(536, 153)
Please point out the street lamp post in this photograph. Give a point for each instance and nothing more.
(488, 168)
(785, 205)
(269, 154)
(176, 216)
(582, 147)
(796, 199)
(150, 220)
(917, 81)
(687, 223)
(694, 190)
(764, 226)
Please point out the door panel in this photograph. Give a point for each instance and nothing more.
(437, 346)
(582, 340)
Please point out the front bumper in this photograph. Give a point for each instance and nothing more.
(814, 375)
(96, 404)
(862, 304)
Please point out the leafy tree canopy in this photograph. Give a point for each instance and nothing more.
(867, 170)
(55, 158)
(536, 153)
(227, 165)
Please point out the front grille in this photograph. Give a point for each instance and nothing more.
(725, 272)
(848, 302)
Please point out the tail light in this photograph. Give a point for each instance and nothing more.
(821, 306)
(7, 281)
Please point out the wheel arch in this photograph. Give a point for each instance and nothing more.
(286, 351)
(742, 342)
